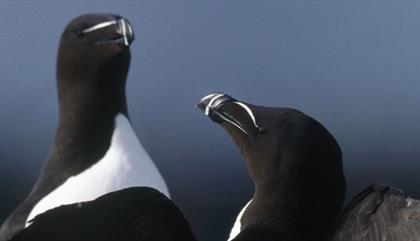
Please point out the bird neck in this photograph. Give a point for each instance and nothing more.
(301, 201)
(87, 113)
(285, 218)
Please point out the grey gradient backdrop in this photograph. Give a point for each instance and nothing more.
(354, 66)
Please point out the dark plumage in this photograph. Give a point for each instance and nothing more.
(92, 68)
(295, 164)
(132, 214)
(293, 160)
(380, 213)
(296, 167)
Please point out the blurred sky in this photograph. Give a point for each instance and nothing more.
(352, 65)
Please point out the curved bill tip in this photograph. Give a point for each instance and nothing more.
(239, 114)
(124, 28)
(204, 102)
(213, 101)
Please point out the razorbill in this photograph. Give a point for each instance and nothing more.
(295, 165)
(95, 150)
(282, 148)
(132, 214)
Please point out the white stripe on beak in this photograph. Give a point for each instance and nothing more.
(206, 112)
(99, 26)
(124, 33)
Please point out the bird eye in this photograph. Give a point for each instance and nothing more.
(261, 131)
(79, 33)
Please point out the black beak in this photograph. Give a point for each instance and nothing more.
(124, 28)
(123, 36)
(223, 108)
(209, 105)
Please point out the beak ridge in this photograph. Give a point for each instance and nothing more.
(220, 108)
(212, 101)
(122, 27)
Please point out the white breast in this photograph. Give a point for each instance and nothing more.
(237, 226)
(125, 164)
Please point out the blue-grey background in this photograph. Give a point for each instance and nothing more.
(354, 66)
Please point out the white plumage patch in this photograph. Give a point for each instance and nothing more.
(237, 226)
(125, 164)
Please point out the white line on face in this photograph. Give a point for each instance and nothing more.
(99, 26)
(214, 97)
(249, 111)
(233, 123)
